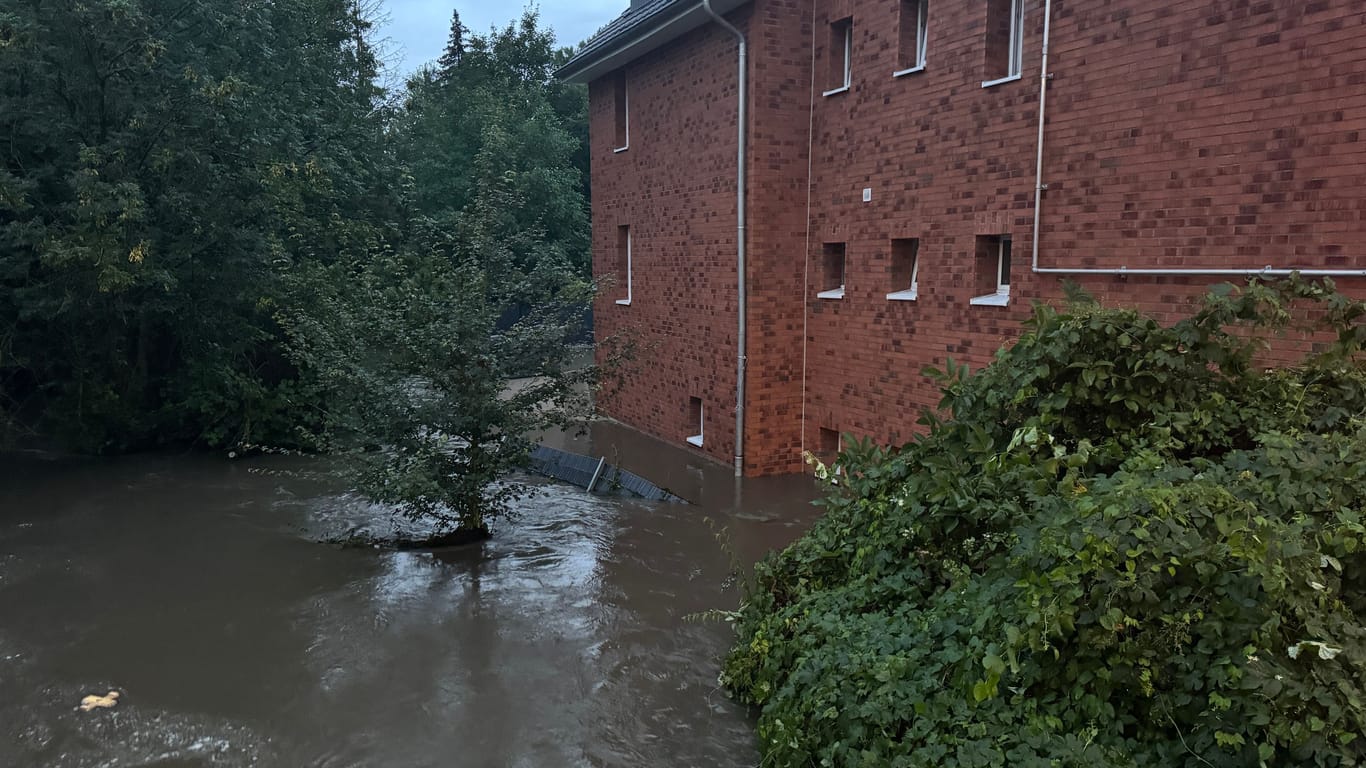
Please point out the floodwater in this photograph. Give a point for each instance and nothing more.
(198, 588)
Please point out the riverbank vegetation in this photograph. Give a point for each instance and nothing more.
(219, 229)
(1130, 545)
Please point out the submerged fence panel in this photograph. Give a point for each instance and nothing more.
(595, 475)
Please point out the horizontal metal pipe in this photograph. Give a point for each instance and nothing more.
(1264, 272)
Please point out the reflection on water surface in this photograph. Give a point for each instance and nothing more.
(197, 588)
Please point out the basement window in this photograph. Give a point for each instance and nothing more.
(622, 114)
(833, 266)
(914, 36)
(905, 269)
(1005, 41)
(828, 449)
(696, 420)
(841, 56)
(993, 267)
(624, 261)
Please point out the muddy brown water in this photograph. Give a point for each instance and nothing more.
(198, 587)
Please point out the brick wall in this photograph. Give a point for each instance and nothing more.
(1180, 135)
(780, 99)
(675, 187)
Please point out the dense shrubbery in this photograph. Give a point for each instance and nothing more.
(165, 163)
(170, 168)
(1131, 546)
(217, 228)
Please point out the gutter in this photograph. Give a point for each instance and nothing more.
(1039, 186)
(655, 26)
(742, 306)
(637, 33)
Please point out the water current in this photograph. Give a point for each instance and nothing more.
(201, 589)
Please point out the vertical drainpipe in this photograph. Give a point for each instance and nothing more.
(741, 120)
(1039, 185)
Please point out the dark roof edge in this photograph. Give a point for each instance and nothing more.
(636, 33)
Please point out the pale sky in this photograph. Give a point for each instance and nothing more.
(416, 30)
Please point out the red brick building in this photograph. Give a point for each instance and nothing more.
(918, 172)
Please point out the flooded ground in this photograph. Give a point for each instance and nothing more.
(198, 588)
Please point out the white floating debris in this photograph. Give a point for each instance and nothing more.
(93, 701)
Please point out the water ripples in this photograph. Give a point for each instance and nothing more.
(204, 592)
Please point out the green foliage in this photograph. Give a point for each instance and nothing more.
(163, 159)
(495, 96)
(1131, 546)
(439, 352)
(178, 176)
(440, 360)
(214, 228)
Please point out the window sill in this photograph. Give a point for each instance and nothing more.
(834, 91)
(999, 80)
(837, 293)
(999, 299)
(910, 71)
(624, 302)
(695, 441)
(907, 295)
(619, 150)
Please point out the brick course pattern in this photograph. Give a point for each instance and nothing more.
(1184, 135)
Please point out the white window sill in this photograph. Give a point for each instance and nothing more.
(837, 293)
(910, 71)
(834, 91)
(999, 80)
(624, 302)
(695, 441)
(906, 295)
(621, 149)
(1000, 298)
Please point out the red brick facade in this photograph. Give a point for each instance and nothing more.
(1182, 135)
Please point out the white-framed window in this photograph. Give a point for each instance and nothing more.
(624, 261)
(993, 266)
(1004, 42)
(696, 417)
(841, 56)
(905, 269)
(914, 38)
(621, 104)
(833, 271)
(1016, 49)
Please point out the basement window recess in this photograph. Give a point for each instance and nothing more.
(905, 269)
(828, 450)
(913, 38)
(841, 56)
(993, 265)
(833, 266)
(624, 261)
(622, 112)
(695, 417)
(1005, 41)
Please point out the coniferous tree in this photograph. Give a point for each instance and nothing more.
(416, 347)
(455, 48)
(505, 79)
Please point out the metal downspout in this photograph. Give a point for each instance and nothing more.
(740, 181)
(1040, 186)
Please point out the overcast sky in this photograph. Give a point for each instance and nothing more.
(416, 29)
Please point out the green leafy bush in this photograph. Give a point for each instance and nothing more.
(1131, 546)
